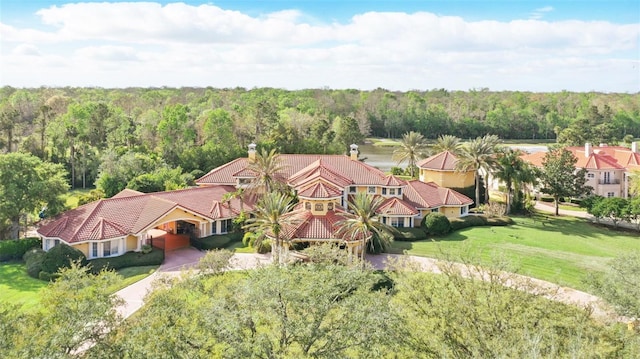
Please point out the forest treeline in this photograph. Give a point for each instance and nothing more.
(172, 135)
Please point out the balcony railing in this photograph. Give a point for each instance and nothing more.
(612, 181)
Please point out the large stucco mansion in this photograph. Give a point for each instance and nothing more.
(323, 184)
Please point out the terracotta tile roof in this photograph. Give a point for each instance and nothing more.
(320, 191)
(395, 206)
(131, 214)
(339, 166)
(127, 193)
(392, 180)
(319, 169)
(601, 158)
(443, 161)
(429, 195)
(316, 228)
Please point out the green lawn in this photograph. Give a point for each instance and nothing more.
(560, 250)
(18, 288)
(71, 198)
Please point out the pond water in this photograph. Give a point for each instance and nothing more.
(381, 156)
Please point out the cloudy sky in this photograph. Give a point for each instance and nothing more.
(553, 45)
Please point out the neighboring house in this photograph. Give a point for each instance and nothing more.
(323, 184)
(608, 167)
(441, 169)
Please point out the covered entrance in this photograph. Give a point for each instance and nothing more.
(172, 235)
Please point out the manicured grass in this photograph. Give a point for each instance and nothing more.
(239, 247)
(18, 288)
(557, 249)
(72, 197)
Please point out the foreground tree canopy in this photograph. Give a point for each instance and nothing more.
(317, 310)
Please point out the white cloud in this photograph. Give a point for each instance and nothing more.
(540, 12)
(147, 44)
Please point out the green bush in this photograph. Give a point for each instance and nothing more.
(129, 259)
(546, 199)
(33, 261)
(45, 276)
(410, 234)
(61, 256)
(436, 223)
(218, 241)
(468, 221)
(499, 221)
(16, 248)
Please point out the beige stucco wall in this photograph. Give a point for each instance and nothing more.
(83, 247)
(131, 243)
(450, 179)
(450, 212)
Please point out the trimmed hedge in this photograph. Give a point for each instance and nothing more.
(218, 241)
(436, 223)
(61, 256)
(468, 221)
(33, 261)
(16, 248)
(410, 234)
(479, 220)
(129, 259)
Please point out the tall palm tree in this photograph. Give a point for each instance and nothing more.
(447, 143)
(513, 171)
(412, 148)
(273, 214)
(266, 167)
(363, 223)
(478, 156)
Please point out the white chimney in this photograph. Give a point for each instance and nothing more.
(354, 152)
(634, 147)
(252, 151)
(587, 149)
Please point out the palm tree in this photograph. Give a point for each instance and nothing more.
(478, 156)
(266, 167)
(273, 214)
(513, 171)
(363, 223)
(412, 148)
(447, 143)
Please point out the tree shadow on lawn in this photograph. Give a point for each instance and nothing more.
(398, 247)
(14, 276)
(565, 225)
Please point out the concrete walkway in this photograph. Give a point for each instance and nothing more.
(186, 258)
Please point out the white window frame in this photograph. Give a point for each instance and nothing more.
(464, 210)
(384, 191)
(371, 190)
(352, 189)
(392, 191)
(611, 194)
(397, 222)
(590, 175)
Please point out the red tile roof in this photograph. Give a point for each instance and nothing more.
(392, 180)
(601, 158)
(316, 227)
(131, 214)
(429, 195)
(320, 191)
(396, 207)
(443, 161)
(339, 166)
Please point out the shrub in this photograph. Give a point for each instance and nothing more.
(33, 261)
(410, 234)
(61, 256)
(129, 259)
(494, 209)
(218, 241)
(468, 221)
(546, 199)
(499, 221)
(215, 262)
(16, 248)
(436, 224)
(397, 171)
(146, 248)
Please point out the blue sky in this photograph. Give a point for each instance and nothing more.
(400, 45)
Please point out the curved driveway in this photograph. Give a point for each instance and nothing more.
(186, 258)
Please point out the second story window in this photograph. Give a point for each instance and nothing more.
(352, 189)
(392, 191)
(384, 191)
(371, 189)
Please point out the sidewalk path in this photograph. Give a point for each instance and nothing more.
(186, 258)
